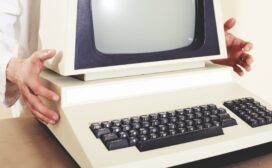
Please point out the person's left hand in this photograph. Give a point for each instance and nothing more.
(238, 49)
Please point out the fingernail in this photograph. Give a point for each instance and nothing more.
(55, 117)
(52, 122)
(55, 97)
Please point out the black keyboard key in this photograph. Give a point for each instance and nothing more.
(144, 118)
(145, 124)
(122, 135)
(208, 125)
(116, 123)
(212, 106)
(246, 117)
(135, 126)
(188, 111)
(143, 131)
(228, 122)
(162, 115)
(164, 121)
(173, 119)
(253, 123)
(251, 100)
(180, 112)
(207, 113)
(198, 114)
(95, 126)
(117, 144)
(125, 121)
(269, 113)
(133, 133)
(153, 116)
(99, 132)
(196, 109)
(204, 108)
(199, 127)
(262, 114)
(255, 115)
(181, 130)
(133, 141)
(206, 119)
(181, 118)
(189, 122)
(115, 129)
(214, 118)
(162, 127)
(155, 123)
(197, 121)
(109, 137)
(190, 116)
(125, 127)
(216, 123)
(214, 112)
(171, 114)
(143, 138)
(190, 128)
(163, 134)
(135, 119)
(153, 129)
(268, 119)
(153, 136)
(222, 110)
(172, 132)
(181, 124)
(106, 124)
(261, 121)
(171, 126)
(178, 139)
(223, 116)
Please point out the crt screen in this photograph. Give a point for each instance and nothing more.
(143, 26)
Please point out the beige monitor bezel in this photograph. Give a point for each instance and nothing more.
(52, 29)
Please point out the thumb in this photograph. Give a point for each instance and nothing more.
(47, 54)
(229, 24)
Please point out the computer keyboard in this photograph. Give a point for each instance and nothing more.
(251, 111)
(153, 131)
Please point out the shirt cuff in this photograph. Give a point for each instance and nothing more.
(9, 93)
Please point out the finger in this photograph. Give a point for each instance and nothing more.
(247, 46)
(40, 90)
(248, 59)
(38, 115)
(238, 70)
(37, 105)
(46, 54)
(245, 66)
(43, 119)
(229, 24)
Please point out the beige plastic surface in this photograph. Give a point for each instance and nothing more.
(74, 133)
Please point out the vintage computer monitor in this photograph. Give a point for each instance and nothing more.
(145, 58)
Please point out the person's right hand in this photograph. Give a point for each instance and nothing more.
(25, 74)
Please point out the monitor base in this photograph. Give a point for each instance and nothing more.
(139, 71)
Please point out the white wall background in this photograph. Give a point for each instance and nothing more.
(254, 23)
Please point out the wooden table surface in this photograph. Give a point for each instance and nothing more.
(26, 143)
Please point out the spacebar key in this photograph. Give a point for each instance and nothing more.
(178, 139)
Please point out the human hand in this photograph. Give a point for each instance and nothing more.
(25, 74)
(238, 49)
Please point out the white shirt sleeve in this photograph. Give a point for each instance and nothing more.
(9, 17)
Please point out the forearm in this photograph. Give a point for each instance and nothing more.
(11, 70)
